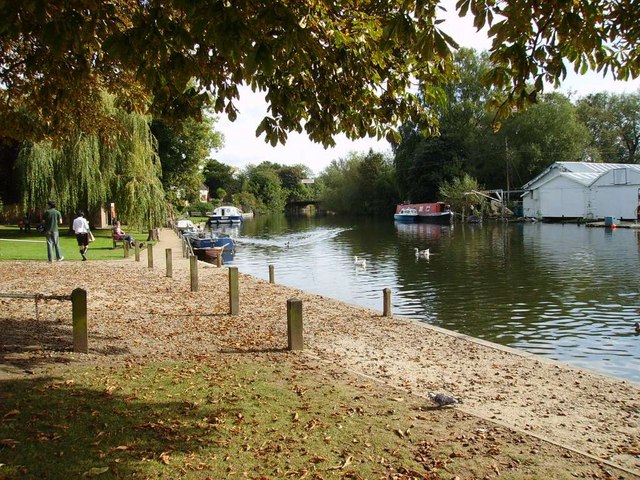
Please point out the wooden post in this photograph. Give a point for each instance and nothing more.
(79, 314)
(184, 248)
(234, 294)
(294, 324)
(193, 263)
(137, 250)
(386, 309)
(169, 262)
(219, 260)
(125, 247)
(271, 274)
(149, 255)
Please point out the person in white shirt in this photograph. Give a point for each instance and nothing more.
(81, 229)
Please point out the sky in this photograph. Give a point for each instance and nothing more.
(241, 147)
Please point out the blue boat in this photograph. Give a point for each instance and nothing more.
(209, 246)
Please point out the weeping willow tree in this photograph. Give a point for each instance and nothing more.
(90, 171)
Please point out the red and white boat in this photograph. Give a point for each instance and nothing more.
(438, 212)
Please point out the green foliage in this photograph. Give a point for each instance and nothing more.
(272, 185)
(291, 178)
(614, 123)
(339, 180)
(422, 162)
(183, 149)
(221, 193)
(359, 185)
(135, 183)
(322, 71)
(247, 202)
(458, 193)
(527, 142)
(534, 42)
(265, 184)
(265, 187)
(218, 175)
(202, 207)
(547, 132)
(88, 172)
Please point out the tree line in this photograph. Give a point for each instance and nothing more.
(477, 150)
(471, 151)
(150, 165)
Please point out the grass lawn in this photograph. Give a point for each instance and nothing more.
(17, 245)
(259, 419)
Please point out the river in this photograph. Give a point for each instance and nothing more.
(566, 292)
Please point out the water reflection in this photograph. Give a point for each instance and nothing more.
(564, 291)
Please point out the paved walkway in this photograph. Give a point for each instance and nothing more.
(169, 239)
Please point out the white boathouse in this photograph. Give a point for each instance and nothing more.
(584, 190)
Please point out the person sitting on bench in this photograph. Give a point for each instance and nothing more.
(119, 234)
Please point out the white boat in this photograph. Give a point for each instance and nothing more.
(406, 215)
(226, 214)
(185, 226)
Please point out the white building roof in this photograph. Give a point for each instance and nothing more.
(584, 173)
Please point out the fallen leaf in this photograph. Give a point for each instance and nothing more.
(95, 471)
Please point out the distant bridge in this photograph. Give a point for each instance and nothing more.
(301, 207)
(303, 203)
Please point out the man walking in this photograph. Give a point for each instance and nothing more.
(52, 218)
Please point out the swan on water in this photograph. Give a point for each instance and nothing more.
(359, 262)
(422, 253)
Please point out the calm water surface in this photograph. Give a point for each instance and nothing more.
(564, 291)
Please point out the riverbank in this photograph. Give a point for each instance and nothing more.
(138, 313)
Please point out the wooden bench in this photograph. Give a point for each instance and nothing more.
(154, 234)
(117, 242)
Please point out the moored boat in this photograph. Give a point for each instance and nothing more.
(202, 240)
(406, 215)
(208, 247)
(438, 212)
(226, 214)
(185, 226)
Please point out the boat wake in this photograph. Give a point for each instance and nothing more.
(294, 240)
